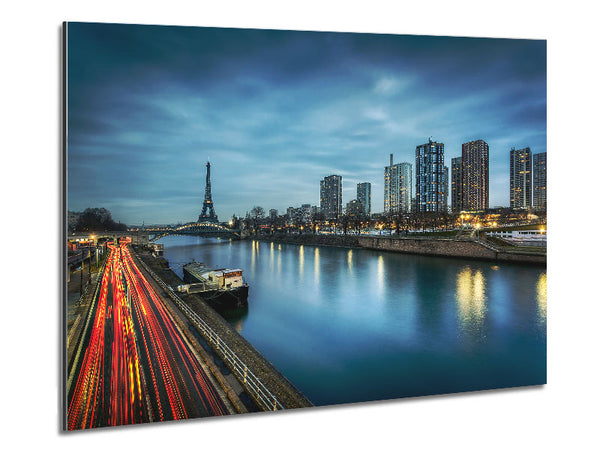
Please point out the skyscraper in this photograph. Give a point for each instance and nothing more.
(475, 175)
(397, 187)
(331, 196)
(520, 178)
(363, 196)
(431, 193)
(457, 175)
(445, 185)
(539, 181)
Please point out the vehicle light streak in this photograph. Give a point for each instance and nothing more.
(137, 366)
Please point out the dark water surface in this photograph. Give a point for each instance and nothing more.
(349, 325)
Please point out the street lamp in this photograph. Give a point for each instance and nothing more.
(477, 226)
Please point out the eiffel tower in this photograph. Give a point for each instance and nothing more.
(208, 210)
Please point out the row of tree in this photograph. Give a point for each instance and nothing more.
(98, 219)
(398, 223)
(256, 221)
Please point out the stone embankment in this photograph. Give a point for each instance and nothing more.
(285, 392)
(454, 248)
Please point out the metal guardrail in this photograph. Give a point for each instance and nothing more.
(268, 401)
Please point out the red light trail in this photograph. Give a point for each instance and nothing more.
(137, 366)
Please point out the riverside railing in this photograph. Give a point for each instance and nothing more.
(268, 401)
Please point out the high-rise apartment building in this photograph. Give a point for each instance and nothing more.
(475, 176)
(397, 187)
(431, 195)
(331, 197)
(520, 178)
(539, 181)
(457, 175)
(445, 194)
(363, 196)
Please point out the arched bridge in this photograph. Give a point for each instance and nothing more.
(205, 229)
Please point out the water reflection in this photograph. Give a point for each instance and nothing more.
(471, 300)
(381, 276)
(301, 261)
(395, 325)
(317, 266)
(541, 297)
(236, 318)
(279, 261)
(350, 261)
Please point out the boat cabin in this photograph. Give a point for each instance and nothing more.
(226, 278)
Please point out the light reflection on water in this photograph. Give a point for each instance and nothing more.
(317, 265)
(381, 276)
(541, 297)
(365, 325)
(301, 261)
(471, 299)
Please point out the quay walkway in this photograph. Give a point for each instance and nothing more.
(444, 247)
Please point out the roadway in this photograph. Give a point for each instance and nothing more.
(136, 365)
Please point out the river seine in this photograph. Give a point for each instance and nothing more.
(351, 325)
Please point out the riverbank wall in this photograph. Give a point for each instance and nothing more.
(286, 394)
(449, 248)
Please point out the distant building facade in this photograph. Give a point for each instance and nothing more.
(299, 216)
(397, 193)
(539, 181)
(457, 184)
(475, 176)
(354, 208)
(363, 196)
(273, 214)
(431, 194)
(294, 215)
(331, 197)
(306, 213)
(520, 178)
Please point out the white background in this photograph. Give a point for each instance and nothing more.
(562, 414)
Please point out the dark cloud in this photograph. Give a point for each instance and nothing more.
(276, 111)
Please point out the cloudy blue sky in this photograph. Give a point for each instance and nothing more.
(276, 111)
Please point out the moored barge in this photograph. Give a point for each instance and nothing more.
(221, 288)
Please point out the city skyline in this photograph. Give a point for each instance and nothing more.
(277, 111)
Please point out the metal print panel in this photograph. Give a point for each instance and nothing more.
(260, 220)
